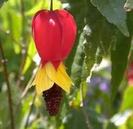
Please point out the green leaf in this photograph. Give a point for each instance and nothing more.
(90, 48)
(76, 70)
(43, 4)
(4, 114)
(78, 15)
(111, 126)
(130, 22)
(127, 102)
(100, 37)
(119, 58)
(2, 2)
(23, 109)
(92, 118)
(37, 7)
(31, 53)
(114, 12)
(128, 5)
(75, 5)
(129, 123)
(76, 120)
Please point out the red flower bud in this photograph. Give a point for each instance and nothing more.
(54, 33)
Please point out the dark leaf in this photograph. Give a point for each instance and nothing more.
(119, 58)
(76, 120)
(77, 66)
(114, 12)
(99, 40)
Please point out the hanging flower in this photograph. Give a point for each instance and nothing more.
(54, 34)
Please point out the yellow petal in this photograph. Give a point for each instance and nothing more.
(62, 69)
(59, 76)
(42, 81)
(36, 76)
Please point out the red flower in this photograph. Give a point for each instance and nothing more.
(54, 34)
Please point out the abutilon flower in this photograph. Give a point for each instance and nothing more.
(54, 34)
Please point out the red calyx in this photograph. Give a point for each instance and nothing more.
(54, 34)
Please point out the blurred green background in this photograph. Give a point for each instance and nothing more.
(100, 65)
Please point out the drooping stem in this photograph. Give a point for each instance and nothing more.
(30, 111)
(51, 5)
(8, 86)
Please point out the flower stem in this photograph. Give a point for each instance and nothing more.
(4, 61)
(30, 111)
(51, 5)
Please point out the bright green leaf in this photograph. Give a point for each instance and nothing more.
(44, 4)
(129, 122)
(127, 99)
(31, 53)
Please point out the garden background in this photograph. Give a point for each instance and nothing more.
(100, 64)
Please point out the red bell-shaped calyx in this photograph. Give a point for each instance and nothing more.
(54, 33)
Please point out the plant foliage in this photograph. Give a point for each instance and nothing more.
(100, 93)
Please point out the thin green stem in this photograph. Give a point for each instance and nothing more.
(51, 5)
(8, 86)
(88, 123)
(30, 111)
